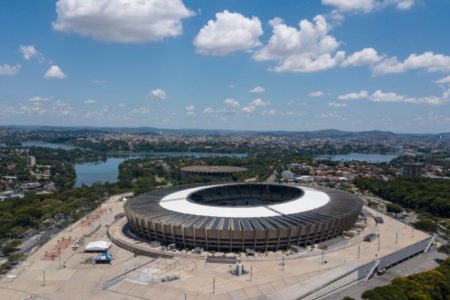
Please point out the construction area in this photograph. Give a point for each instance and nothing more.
(61, 269)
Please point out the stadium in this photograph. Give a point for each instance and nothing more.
(239, 216)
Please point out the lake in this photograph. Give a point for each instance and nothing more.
(364, 157)
(47, 145)
(108, 171)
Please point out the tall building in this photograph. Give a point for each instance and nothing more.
(412, 169)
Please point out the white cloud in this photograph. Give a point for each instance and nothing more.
(231, 103)
(380, 96)
(29, 52)
(316, 94)
(158, 94)
(230, 32)
(90, 101)
(308, 49)
(124, 21)
(54, 72)
(332, 115)
(258, 102)
(209, 110)
(140, 111)
(366, 6)
(427, 61)
(9, 70)
(233, 107)
(337, 104)
(405, 4)
(354, 96)
(351, 5)
(366, 56)
(40, 99)
(47, 106)
(251, 107)
(269, 112)
(258, 89)
(445, 80)
(190, 110)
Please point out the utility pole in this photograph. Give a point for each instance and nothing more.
(282, 263)
(396, 238)
(379, 241)
(359, 251)
(323, 252)
(214, 285)
(251, 273)
(43, 277)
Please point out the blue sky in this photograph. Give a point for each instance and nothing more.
(227, 64)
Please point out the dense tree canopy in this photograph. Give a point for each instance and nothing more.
(423, 194)
(430, 285)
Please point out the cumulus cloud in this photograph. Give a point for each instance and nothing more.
(233, 107)
(337, 104)
(354, 96)
(90, 101)
(231, 103)
(49, 106)
(380, 96)
(123, 21)
(404, 4)
(269, 112)
(29, 52)
(54, 72)
(366, 6)
(158, 94)
(366, 56)
(351, 5)
(251, 107)
(230, 32)
(307, 49)
(316, 94)
(140, 111)
(209, 110)
(190, 110)
(9, 70)
(445, 80)
(258, 89)
(427, 61)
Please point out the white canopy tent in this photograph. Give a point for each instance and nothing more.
(97, 246)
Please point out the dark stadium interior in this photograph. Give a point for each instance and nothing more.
(240, 195)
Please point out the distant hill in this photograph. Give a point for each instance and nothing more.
(327, 133)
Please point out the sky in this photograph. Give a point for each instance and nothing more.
(227, 64)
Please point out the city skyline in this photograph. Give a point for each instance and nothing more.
(344, 64)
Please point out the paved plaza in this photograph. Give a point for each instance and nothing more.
(60, 270)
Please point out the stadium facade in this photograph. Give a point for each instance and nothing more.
(210, 171)
(235, 217)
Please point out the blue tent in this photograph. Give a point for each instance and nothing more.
(103, 258)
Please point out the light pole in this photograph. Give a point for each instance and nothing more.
(43, 277)
(379, 241)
